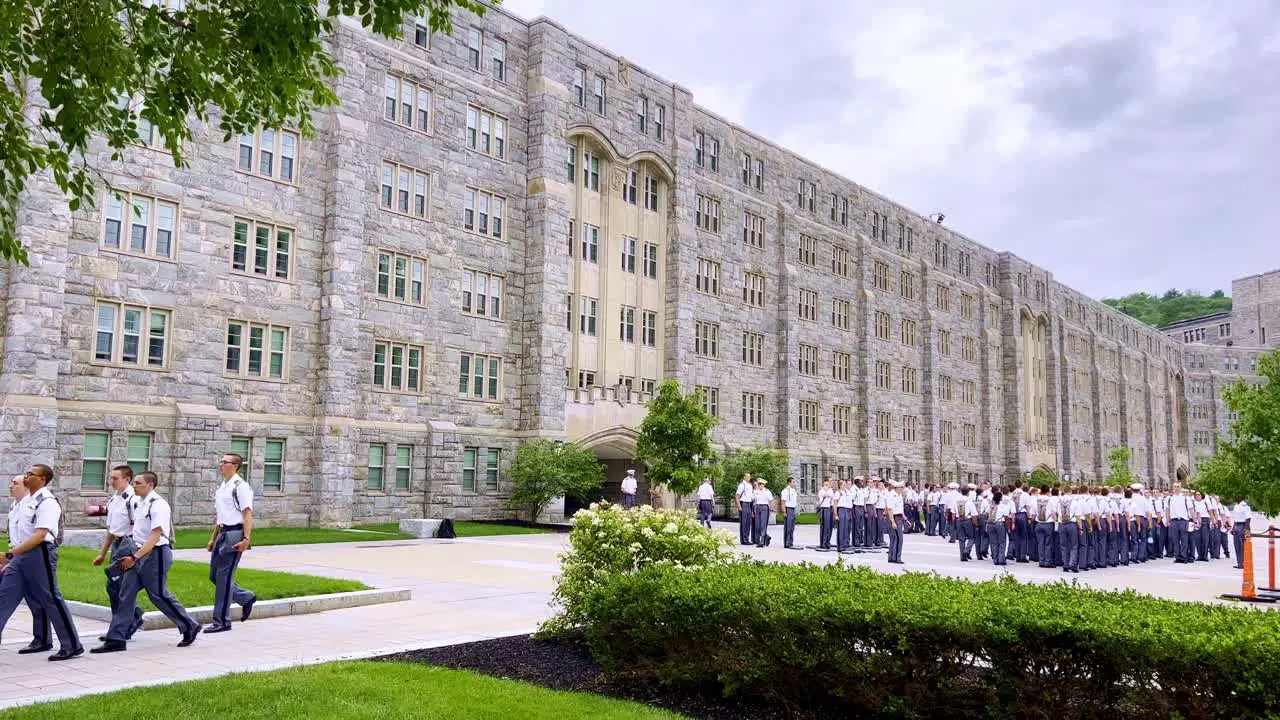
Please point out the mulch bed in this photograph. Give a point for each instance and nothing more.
(567, 665)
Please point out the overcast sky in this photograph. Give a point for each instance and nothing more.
(1122, 145)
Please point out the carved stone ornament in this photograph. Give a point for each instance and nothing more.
(624, 71)
(619, 177)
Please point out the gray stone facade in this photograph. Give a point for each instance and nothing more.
(1007, 370)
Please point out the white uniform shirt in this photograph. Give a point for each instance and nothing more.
(931, 498)
(15, 514)
(1180, 507)
(763, 495)
(844, 498)
(706, 492)
(232, 498)
(745, 492)
(826, 497)
(1027, 504)
(950, 499)
(1240, 512)
(881, 500)
(120, 512)
(1004, 510)
(1202, 509)
(629, 485)
(41, 511)
(968, 506)
(893, 503)
(152, 512)
(789, 497)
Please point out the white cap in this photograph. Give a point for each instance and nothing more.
(631, 471)
(972, 486)
(895, 483)
(1136, 486)
(954, 486)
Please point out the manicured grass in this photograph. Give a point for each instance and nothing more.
(802, 518)
(199, 537)
(373, 690)
(467, 528)
(80, 580)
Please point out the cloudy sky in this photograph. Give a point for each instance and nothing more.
(1123, 145)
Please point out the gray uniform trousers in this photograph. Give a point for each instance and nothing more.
(33, 576)
(762, 523)
(844, 531)
(1044, 540)
(222, 573)
(1178, 539)
(858, 526)
(1239, 537)
(998, 541)
(789, 529)
(824, 527)
(41, 634)
(746, 523)
(122, 547)
(150, 574)
(895, 539)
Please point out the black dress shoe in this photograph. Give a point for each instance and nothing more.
(190, 637)
(110, 646)
(64, 655)
(34, 648)
(216, 629)
(247, 609)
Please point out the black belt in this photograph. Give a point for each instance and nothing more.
(233, 527)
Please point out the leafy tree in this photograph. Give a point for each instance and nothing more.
(103, 67)
(1121, 474)
(1247, 465)
(545, 469)
(764, 463)
(1171, 307)
(675, 430)
(1042, 477)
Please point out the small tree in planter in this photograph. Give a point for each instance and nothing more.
(764, 463)
(546, 469)
(675, 441)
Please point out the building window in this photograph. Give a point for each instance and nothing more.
(882, 322)
(746, 169)
(840, 419)
(880, 276)
(498, 59)
(590, 171)
(941, 254)
(586, 379)
(377, 467)
(906, 238)
(659, 121)
(475, 44)
(262, 250)
(808, 360)
(966, 306)
(95, 459)
(753, 229)
(841, 366)
(753, 348)
(944, 342)
(840, 261)
(808, 416)
(629, 254)
(710, 399)
(650, 193)
(629, 186)
(590, 243)
(910, 380)
(131, 335)
(139, 452)
(1224, 330)
(945, 387)
(708, 277)
(642, 115)
(243, 446)
(883, 375)
(404, 190)
(942, 298)
(699, 149)
(752, 409)
(480, 468)
(255, 350)
(753, 289)
(707, 215)
(908, 332)
(969, 350)
(397, 367)
(402, 278)
(407, 103)
(879, 227)
(580, 86)
(993, 316)
(808, 307)
(273, 465)
(587, 317)
(964, 263)
(627, 324)
(907, 285)
(140, 225)
(713, 155)
(806, 195)
(650, 260)
(884, 426)
(487, 133)
(808, 250)
(970, 436)
(946, 430)
(597, 94)
(706, 339)
(757, 177)
(482, 293)
(649, 328)
(269, 153)
(479, 376)
(968, 392)
(909, 423)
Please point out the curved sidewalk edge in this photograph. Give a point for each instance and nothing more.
(156, 620)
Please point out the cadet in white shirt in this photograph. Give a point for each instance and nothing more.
(33, 563)
(966, 521)
(706, 502)
(233, 505)
(1213, 528)
(1068, 530)
(119, 540)
(41, 634)
(844, 513)
(746, 512)
(998, 528)
(629, 487)
(790, 500)
(147, 568)
(879, 526)
(950, 499)
(763, 503)
(893, 510)
(1201, 532)
(861, 497)
(1178, 514)
(1240, 522)
(826, 508)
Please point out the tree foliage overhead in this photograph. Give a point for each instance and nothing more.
(1120, 474)
(1247, 465)
(1171, 307)
(546, 469)
(764, 463)
(101, 66)
(675, 440)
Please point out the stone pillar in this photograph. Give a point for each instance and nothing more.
(444, 470)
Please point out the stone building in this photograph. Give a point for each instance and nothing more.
(512, 233)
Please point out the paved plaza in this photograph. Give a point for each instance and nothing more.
(466, 590)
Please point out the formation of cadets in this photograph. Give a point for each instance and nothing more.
(1072, 528)
(138, 543)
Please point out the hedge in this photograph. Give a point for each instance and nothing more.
(817, 640)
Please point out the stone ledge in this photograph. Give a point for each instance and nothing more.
(85, 538)
(420, 527)
(156, 620)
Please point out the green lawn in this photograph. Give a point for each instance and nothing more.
(373, 690)
(801, 518)
(199, 537)
(465, 528)
(80, 580)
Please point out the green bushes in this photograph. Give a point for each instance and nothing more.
(852, 641)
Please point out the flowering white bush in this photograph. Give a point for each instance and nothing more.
(608, 539)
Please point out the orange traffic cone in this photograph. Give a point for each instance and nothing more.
(1248, 590)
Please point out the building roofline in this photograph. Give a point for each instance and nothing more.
(1196, 320)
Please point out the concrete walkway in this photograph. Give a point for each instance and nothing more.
(465, 590)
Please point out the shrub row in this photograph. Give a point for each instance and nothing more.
(853, 641)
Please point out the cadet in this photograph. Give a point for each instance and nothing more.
(1136, 516)
(998, 528)
(629, 487)
(763, 503)
(893, 510)
(746, 514)
(1201, 521)
(789, 502)
(931, 511)
(233, 505)
(844, 516)
(878, 504)
(1241, 514)
(1068, 532)
(1177, 515)
(152, 533)
(119, 541)
(706, 502)
(33, 563)
(826, 507)
(1213, 530)
(858, 535)
(966, 522)
(986, 508)
(1043, 527)
(950, 499)
(40, 631)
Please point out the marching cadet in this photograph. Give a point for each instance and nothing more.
(763, 504)
(1044, 529)
(1215, 524)
(1116, 539)
(859, 493)
(1225, 525)
(1178, 514)
(40, 631)
(119, 541)
(706, 502)
(869, 520)
(844, 515)
(1200, 520)
(932, 510)
(1069, 531)
(150, 563)
(893, 511)
(1241, 514)
(1017, 542)
(789, 502)
(1104, 528)
(879, 502)
(1136, 520)
(986, 508)
(233, 507)
(966, 521)
(746, 513)
(1158, 524)
(826, 509)
(32, 565)
(998, 528)
(950, 499)
(1055, 520)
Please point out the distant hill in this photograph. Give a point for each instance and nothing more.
(1171, 307)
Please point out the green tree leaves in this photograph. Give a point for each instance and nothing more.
(545, 469)
(76, 71)
(763, 463)
(674, 432)
(1174, 306)
(1247, 465)
(1121, 474)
